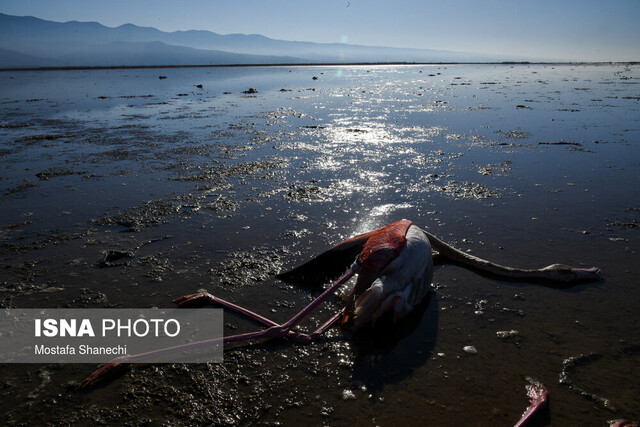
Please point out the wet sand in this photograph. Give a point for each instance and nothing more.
(120, 189)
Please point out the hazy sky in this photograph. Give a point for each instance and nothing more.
(587, 30)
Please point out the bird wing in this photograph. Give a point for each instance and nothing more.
(329, 264)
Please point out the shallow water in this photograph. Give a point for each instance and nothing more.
(213, 188)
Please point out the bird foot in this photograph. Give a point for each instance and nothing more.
(593, 273)
(537, 401)
(194, 300)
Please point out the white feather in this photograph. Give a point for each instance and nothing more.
(402, 285)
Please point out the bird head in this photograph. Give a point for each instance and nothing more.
(564, 273)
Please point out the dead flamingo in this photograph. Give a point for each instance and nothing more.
(394, 266)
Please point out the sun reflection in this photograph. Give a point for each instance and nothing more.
(370, 133)
(379, 216)
(385, 210)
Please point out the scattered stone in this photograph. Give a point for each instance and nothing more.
(507, 334)
(326, 411)
(512, 310)
(250, 91)
(469, 349)
(348, 395)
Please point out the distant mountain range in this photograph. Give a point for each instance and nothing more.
(28, 42)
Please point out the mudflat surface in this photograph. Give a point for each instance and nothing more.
(121, 189)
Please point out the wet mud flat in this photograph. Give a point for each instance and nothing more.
(121, 189)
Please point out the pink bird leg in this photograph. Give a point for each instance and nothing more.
(537, 401)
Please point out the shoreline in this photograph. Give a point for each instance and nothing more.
(307, 64)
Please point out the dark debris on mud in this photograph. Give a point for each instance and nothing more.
(513, 134)
(22, 187)
(156, 212)
(469, 190)
(56, 172)
(148, 213)
(244, 268)
(187, 394)
(88, 298)
(305, 193)
(499, 169)
(631, 219)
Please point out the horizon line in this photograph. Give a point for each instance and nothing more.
(317, 64)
